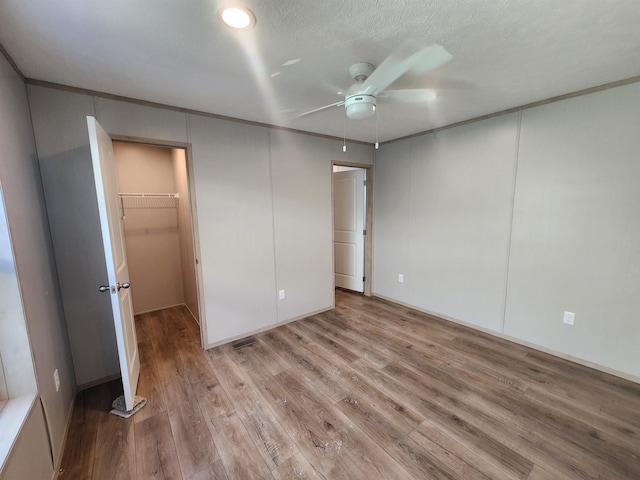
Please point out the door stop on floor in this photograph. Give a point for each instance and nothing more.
(119, 407)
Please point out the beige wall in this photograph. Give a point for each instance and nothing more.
(29, 230)
(506, 223)
(185, 231)
(151, 228)
(144, 168)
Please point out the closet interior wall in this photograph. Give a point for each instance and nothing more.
(185, 232)
(155, 203)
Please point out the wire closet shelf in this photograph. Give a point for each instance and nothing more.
(149, 212)
(148, 200)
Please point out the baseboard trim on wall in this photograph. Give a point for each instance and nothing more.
(99, 381)
(194, 317)
(268, 327)
(555, 353)
(162, 308)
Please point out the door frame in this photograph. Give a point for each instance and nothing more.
(368, 238)
(153, 142)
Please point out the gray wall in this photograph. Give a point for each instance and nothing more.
(61, 135)
(576, 229)
(26, 215)
(506, 223)
(263, 200)
(301, 182)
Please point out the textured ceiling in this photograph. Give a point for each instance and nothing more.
(176, 52)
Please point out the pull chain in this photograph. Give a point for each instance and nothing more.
(344, 137)
(377, 144)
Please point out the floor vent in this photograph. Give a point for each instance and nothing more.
(243, 343)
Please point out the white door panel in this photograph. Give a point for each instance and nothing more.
(117, 272)
(345, 254)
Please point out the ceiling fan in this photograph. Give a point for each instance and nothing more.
(361, 98)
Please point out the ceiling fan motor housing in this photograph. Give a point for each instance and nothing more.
(360, 106)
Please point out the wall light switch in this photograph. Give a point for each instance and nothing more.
(400, 278)
(569, 318)
(281, 294)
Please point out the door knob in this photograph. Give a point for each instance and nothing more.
(123, 285)
(103, 288)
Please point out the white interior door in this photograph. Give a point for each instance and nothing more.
(104, 172)
(348, 225)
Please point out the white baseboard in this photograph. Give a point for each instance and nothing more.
(160, 308)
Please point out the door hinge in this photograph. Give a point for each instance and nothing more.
(364, 232)
(365, 183)
(364, 279)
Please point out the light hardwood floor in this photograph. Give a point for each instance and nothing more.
(371, 390)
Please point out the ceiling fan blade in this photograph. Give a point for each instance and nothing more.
(406, 96)
(397, 64)
(433, 56)
(337, 104)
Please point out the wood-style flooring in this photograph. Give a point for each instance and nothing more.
(370, 390)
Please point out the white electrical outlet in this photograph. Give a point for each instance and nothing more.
(400, 278)
(281, 294)
(56, 379)
(569, 318)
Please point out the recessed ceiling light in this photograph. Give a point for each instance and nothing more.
(237, 17)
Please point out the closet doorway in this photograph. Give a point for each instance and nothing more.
(155, 201)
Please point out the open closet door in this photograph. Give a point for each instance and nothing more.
(104, 172)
